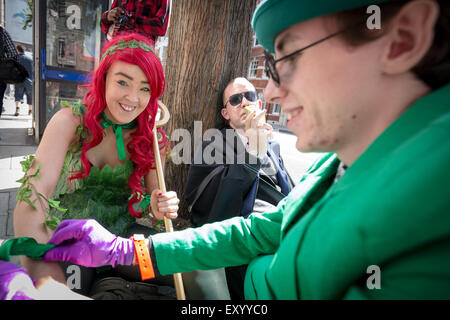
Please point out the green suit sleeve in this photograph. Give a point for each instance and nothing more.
(226, 243)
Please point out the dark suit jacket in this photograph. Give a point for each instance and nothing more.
(233, 189)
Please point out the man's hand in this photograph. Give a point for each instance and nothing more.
(87, 243)
(114, 14)
(258, 133)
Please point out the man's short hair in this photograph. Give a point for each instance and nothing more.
(222, 96)
(20, 48)
(226, 87)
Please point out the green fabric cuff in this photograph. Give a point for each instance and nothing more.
(24, 247)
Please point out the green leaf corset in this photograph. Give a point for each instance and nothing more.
(102, 196)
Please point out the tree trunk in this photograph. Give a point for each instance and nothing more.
(209, 44)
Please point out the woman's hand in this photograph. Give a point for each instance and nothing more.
(164, 204)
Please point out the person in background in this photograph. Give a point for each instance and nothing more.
(149, 18)
(25, 88)
(9, 51)
(255, 184)
(2, 93)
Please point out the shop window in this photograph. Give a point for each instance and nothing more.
(73, 34)
(62, 95)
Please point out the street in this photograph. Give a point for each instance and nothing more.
(14, 145)
(8, 120)
(296, 162)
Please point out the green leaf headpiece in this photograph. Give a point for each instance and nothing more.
(133, 44)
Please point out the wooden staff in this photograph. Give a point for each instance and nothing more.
(179, 288)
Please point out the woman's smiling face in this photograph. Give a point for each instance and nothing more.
(127, 92)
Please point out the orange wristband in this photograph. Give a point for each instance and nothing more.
(143, 257)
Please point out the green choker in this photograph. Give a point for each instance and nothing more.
(117, 128)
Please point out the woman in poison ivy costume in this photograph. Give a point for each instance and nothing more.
(96, 160)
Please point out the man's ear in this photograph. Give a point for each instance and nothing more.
(410, 36)
(225, 114)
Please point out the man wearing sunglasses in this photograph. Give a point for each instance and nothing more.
(241, 187)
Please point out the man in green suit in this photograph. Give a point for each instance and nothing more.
(371, 218)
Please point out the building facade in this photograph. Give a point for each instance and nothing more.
(257, 76)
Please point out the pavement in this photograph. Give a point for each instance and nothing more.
(15, 143)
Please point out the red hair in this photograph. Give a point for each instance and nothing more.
(141, 145)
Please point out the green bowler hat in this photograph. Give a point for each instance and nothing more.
(271, 17)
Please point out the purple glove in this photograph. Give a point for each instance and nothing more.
(87, 243)
(15, 283)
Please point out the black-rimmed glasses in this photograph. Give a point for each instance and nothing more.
(270, 66)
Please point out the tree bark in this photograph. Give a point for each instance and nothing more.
(209, 44)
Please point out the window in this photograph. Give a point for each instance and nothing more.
(73, 34)
(253, 69)
(276, 109)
